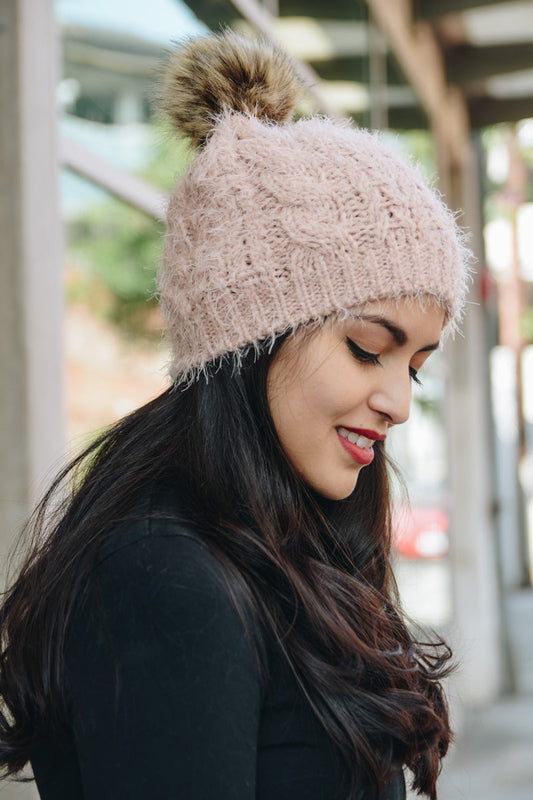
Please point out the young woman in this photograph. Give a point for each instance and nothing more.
(209, 612)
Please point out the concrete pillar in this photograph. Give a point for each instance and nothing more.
(31, 407)
(477, 598)
(31, 390)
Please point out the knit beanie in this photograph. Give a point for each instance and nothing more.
(278, 224)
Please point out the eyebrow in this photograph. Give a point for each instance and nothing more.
(398, 334)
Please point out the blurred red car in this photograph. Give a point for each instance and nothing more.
(420, 532)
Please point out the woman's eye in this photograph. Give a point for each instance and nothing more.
(364, 356)
(414, 376)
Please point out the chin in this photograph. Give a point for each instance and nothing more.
(338, 491)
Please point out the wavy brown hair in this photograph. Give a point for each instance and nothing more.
(314, 573)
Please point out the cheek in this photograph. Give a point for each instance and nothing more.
(323, 398)
(336, 389)
(298, 408)
(307, 407)
(310, 395)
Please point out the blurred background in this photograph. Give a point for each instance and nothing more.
(85, 168)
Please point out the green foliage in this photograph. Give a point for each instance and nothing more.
(169, 158)
(526, 325)
(113, 250)
(119, 245)
(421, 145)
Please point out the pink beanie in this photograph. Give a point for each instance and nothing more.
(278, 225)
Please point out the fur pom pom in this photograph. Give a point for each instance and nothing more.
(210, 74)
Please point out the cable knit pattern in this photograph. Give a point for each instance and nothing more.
(278, 225)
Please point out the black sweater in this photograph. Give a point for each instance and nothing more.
(165, 699)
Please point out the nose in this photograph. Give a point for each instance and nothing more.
(391, 397)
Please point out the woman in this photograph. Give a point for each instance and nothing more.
(209, 612)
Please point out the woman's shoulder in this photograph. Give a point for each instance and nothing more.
(155, 579)
(153, 563)
(157, 659)
(156, 516)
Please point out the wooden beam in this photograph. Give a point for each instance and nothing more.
(408, 118)
(421, 59)
(214, 14)
(467, 64)
(490, 110)
(318, 9)
(431, 9)
(355, 68)
(220, 12)
(129, 188)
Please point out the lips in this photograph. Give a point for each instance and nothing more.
(358, 443)
(374, 435)
(355, 437)
(362, 455)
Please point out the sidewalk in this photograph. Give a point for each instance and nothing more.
(493, 755)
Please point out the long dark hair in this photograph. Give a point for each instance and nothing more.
(314, 573)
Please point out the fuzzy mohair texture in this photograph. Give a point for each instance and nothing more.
(208, 75)
(279, 225)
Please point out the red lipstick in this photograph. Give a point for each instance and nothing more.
(363, 455)
(374, 435)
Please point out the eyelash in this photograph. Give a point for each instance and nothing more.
(365, 357)
(414, 376)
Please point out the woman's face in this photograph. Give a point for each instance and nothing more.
(332, 393)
